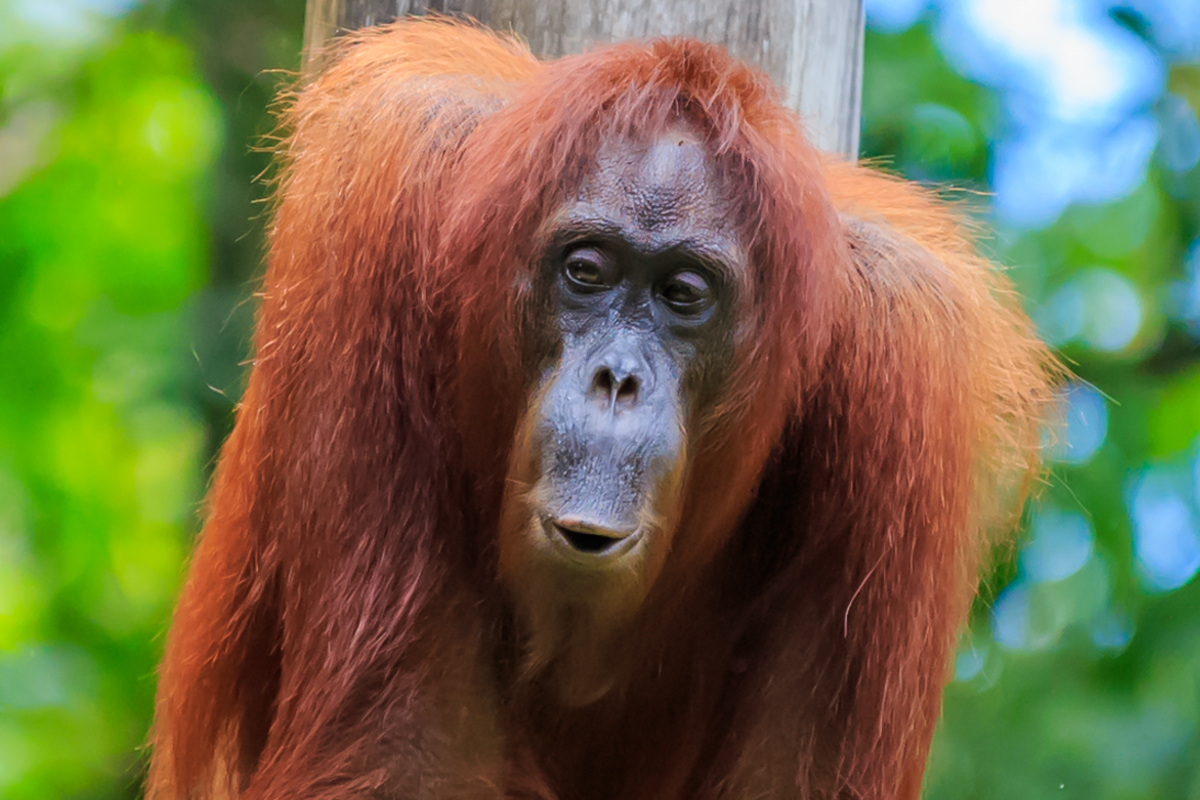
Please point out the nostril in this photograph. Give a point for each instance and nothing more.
(603, 385)
(627, 391)
(614, 391)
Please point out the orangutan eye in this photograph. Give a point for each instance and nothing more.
(588, 270)
(687, 293)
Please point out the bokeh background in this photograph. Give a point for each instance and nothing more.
(131, 232)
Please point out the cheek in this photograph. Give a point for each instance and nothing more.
(720, 487)
(707, 384)
(705, 356)
(737, 434)
(736, 419)
(520, 481)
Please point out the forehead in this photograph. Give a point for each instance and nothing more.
(659, 194)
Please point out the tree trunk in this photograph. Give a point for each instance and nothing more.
(811, 48)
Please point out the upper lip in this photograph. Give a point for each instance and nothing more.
(579, 526)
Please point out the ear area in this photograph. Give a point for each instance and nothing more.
(926, 410)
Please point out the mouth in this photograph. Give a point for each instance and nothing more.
(585, 539)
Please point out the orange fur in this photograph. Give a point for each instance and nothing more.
(343, 633)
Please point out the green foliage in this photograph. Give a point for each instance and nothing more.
(110, 143)
(1100, 698)
(128, 243)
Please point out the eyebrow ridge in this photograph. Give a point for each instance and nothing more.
(581, 230)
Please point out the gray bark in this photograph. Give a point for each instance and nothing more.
(811, 48)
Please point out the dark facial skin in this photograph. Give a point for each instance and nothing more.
(641, 281)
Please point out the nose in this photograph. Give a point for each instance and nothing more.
(617, 381)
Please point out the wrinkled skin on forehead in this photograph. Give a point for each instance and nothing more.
(634, 324)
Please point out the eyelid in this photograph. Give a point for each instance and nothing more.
(599, 261)
(692, 295)
(705, 283)
(712, 279)
(703, 300)
(718, 277)
(584, 255)
(572, 248)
